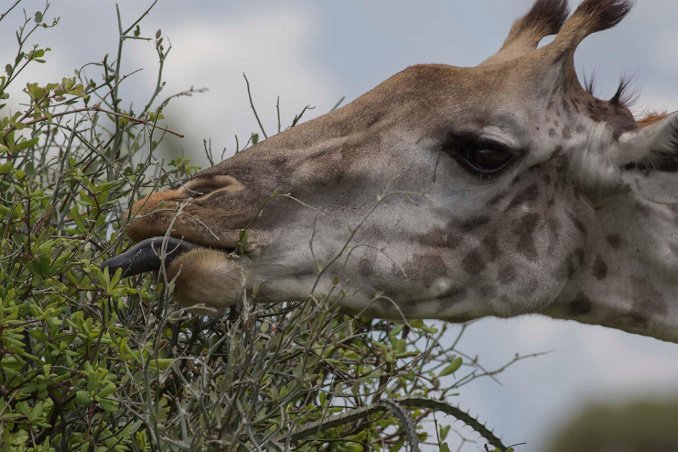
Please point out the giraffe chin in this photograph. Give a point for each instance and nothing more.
(206, 281)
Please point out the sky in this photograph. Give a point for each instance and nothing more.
(314, 53)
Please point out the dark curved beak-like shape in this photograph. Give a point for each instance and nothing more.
(148, 255)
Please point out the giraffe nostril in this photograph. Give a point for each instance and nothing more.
(204, 185)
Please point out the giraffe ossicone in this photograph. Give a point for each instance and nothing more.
(445, 192)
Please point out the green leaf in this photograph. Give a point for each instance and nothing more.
(36, 92)
(25, 144)
(38, 17)
(37, 53)
(452, 367)
(161, 363)
(444, 430)
(83, 398)
(109, 406)
(108, 389)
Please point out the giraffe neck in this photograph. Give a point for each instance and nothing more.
(629, 274)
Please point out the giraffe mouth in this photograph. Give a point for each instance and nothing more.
(148, 255)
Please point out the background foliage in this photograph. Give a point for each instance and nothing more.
(638, 425)
(89, 361)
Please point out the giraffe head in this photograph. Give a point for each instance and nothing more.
(445, 192)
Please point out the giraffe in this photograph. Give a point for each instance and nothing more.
(445, 192)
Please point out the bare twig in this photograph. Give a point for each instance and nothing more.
(254, 110)
(339, 102)
(98, 108)
(298, 117)
(9, 10)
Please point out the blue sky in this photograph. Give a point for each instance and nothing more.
(315, 53)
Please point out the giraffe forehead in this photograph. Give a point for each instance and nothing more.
(520, 97)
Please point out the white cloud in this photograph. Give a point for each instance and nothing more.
(273, 48)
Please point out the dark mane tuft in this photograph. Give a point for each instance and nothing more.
(547, 16)
(623, 96)
(590, 84)
(604, 14)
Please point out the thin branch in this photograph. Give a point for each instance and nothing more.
(2, 16)
(339, 102)
(277, 110)
(316, 427)
(297, 118)
(101, 110)
(254, 110)
(144, 14)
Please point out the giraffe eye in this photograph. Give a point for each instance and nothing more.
(486, 158)
(481, 157)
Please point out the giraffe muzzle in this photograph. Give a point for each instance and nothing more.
(148, 255)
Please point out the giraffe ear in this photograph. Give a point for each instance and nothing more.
(654, 145)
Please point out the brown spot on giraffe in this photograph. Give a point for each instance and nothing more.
(440, 238)
(474, 262)
(577, 224)
(529, 193)
(365, 267)
(525, 232)
(565, 106)
(495, 200)
(529, 288)
(490, 246)
(507, 274)
(581, 305)
(425, 267)
(614, 240)
(473, 223)
(488, 291)
(599, 268)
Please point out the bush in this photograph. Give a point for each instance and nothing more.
(636, 425)
(91, 361)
